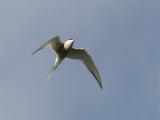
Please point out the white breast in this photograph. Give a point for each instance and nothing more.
(68, 44)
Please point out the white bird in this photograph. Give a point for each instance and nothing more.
(65, 50)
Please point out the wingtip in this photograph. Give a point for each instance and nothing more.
(33, 53)
(37, 50)
(100, 83)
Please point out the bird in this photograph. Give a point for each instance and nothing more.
(66, 50)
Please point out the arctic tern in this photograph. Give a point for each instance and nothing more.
(65, 50)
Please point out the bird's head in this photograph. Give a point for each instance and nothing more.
(69, 43)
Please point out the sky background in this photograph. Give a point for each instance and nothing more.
(123, 37)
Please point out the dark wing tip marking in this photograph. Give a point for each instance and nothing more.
(82, 54)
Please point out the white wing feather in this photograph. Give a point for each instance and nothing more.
(81, 54)
(54, 43)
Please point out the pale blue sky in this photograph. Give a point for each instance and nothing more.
(123, 38)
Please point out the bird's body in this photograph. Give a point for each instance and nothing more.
(65, 50)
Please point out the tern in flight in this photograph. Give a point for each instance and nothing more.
(65, 50)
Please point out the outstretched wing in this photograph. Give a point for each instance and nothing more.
(54, 43)
(81, 54)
